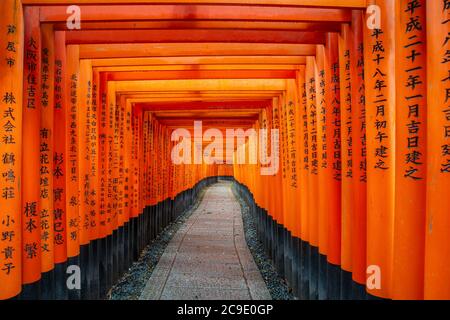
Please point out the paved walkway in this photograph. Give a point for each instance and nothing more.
(208, 258)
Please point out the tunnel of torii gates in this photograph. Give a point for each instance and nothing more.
(359, 207)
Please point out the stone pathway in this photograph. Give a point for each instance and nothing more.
(208, 258)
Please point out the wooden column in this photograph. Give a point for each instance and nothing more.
(331, 173)
(103, 145)
(94, 161)
(47, 148)
(380, 117)
(347, 208)
(292, 135)
(84, 114)
(11, 101)
(322, 212)
(31, 236)
(60, 156)
(359, 221)
(72, 187)
(410, 162)
(313, 218)
(322, 149)
(304, 178)
(437, 245)
(278, 196)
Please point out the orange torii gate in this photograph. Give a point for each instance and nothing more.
(357, 208)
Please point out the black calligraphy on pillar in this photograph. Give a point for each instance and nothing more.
(336, 116)
(9, 131)
(379, 78)
(414, 86)
(362, 113)
(59, 210)
(347, 104)
(73, 222)
(45, 155)
(93, 141)
(102, 143)
(305, 127)
(313, 125)
(323, 121)
(292, 143)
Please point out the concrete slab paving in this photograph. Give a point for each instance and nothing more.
(208, 258)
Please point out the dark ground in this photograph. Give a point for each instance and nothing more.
(130, 286)
(277, 286)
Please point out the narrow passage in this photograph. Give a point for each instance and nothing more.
(208, 257)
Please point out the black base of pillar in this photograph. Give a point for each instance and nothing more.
(60, 281)
(314, 273)
(48, 286)
(304, 269)
(73, 292)
(346, 285)
(295, 266)
(358, 291)
(334, 282)
(287, 256)
(85, 275)
(31, 291)
(323, 277)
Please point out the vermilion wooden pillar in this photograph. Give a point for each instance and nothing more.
(31, 237)
(59, 157)
(83, 136)
(304, 178)
(380, 116)
(301, 180)
(278, 198)
(264, 199)
(321, 148)
(46, 158)
(321, 167)
(89, 258)
(331, 162)
(292, 135)
(112, 157)
(127, 161)
(103, 157)
(359, 153)
(437, 245)
(278, 122)
(347, 192)
(11, 101)
(411, 158)
(73, 194)
(313, 159)
(94, 161)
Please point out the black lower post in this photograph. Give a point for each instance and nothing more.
(305, 255)
(323, 277)
(314, 273)
(74, 292)
(48, 285)
(85, 272)
(60, 281)
(295, 265)
(346, 285)
(358, 291)
(334, 281)
(279, 264)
